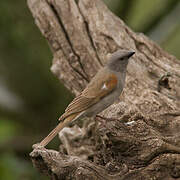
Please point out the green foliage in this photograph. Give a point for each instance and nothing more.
(143, 12)
(8, 129)
(171, 44)
(14, 168)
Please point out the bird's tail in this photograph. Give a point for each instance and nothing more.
(57, 129)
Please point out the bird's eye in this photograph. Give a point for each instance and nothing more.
(122, 58)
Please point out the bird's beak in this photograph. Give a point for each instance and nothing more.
(130, 53)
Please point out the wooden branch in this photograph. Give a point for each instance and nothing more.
(141, 140)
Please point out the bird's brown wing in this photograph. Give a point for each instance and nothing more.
(100, 86)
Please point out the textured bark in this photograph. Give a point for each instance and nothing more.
(139, 136)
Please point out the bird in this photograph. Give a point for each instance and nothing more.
(101, 92)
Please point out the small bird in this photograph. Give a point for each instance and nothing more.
(100, 93)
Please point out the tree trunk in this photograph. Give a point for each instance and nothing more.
(138, 137)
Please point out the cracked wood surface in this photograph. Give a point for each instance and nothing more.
(141, 137)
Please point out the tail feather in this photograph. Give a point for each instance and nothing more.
(57, 129)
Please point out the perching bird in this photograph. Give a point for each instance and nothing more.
(101, 92)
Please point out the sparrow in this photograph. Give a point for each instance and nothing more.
(104, 88)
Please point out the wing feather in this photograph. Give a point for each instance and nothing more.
(92, 93)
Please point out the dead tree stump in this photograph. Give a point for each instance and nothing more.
(140, 139)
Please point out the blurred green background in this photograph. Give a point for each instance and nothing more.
(31, 97)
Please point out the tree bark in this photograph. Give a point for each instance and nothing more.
(138, 137)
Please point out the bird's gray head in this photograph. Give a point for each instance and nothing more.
(119, 60)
